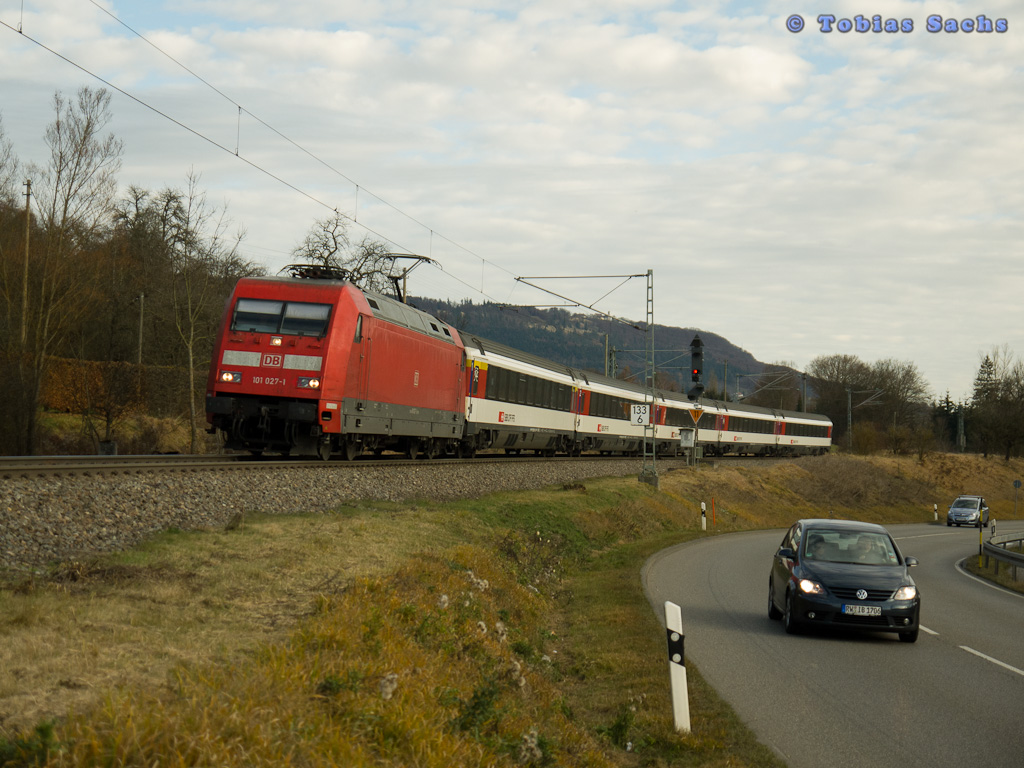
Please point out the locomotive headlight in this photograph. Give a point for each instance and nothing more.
(306, 382)
(230, 377)
(275, 341)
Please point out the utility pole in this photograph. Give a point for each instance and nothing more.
(649, 472)
(24, 283)
(849, 418)
(961, 438)
(142, 300)
(138, 368)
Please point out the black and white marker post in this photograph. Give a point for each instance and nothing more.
(677, 667)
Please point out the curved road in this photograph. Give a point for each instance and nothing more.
(956, 697)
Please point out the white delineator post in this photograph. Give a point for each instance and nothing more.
(677, 667)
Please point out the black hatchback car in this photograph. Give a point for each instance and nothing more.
(844, 574)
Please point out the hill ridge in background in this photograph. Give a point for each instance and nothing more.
(578, 340)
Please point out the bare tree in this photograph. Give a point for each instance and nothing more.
(12, 251)
(372, 267)
(200, 245)
(832, 377)
(326, 244)
(77, 193)
(906, 391)
(370, 264)
(74, 197)
(9, 168)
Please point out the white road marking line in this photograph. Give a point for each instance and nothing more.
(1002, 664)
(929, 631)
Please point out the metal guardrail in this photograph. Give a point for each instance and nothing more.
(996, 548)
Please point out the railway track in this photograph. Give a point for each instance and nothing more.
(25, 467)
(12, 467)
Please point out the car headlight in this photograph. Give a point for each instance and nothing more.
(809, 587)
(905, 593)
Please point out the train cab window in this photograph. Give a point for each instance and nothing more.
(303, 319)
(257, 316)
(298, 318)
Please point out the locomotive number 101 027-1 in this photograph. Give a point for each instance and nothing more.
(271, 381)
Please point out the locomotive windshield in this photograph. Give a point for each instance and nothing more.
(296, 318)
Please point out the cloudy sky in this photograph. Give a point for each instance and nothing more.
(800, 193)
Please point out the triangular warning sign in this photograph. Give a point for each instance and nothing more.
(695, 414)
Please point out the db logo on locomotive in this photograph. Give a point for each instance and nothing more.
(272, 361)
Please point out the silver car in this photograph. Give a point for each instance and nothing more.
(968, 510)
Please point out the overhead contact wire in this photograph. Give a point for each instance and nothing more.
(295, 144)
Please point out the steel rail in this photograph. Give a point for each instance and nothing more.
(28, 467)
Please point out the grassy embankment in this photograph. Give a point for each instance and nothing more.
(509, 630)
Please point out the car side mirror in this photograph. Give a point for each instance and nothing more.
(910, 561)
(787, 553)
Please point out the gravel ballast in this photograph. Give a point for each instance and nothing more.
(61, 518)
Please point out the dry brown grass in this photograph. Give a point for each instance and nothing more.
(418, 668)
(185, 598)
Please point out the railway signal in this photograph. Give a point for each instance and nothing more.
(696, 368)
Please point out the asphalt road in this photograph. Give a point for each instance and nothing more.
(953, 698)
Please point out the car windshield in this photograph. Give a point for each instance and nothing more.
(965, 504)
(861, 547)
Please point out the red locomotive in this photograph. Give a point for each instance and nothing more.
(316, 366)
